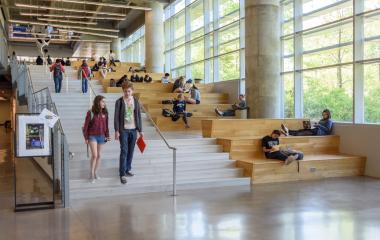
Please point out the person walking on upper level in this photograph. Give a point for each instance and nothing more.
(127, 123)
(68, 62)
(96, 133)
(86, 73)
(49, 61)
(58, 71)
(323, 127)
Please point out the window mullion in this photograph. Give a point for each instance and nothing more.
(358, 46)
(298, 79)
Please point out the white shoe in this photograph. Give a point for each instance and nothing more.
(92, 180)
(97, 177)
(289, 160)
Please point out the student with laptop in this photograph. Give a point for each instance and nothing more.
(272, 149)
(323, 127)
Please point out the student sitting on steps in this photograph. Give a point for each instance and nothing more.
(179, 109)
(323, 127)
(242, 105)
(272, 149)
(148, 79)
(179, 85)
(121, 81)
(165, 79)
(136, 78)
(195, 95)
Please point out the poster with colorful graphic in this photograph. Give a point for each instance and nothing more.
(32, 136)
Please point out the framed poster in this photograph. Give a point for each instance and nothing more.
(32, 136)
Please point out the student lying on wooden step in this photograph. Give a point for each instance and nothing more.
(272, 149)
(322, 128)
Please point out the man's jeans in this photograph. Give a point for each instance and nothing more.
(127, 146)
(58, 83)
(84, 85)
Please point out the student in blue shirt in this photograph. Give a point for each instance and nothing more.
(179, 109)
(323, 127)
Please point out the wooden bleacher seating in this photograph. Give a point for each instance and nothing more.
(242, 139)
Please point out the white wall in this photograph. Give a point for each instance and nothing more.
(55, 51)
(363, 140)
(230, 87)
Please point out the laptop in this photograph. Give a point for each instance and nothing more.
(306, 124)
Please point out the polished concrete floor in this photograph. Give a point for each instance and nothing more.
(341, 209)
(346, 208)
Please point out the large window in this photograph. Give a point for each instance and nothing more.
(203, 39)
(330, 59)
(133, 47)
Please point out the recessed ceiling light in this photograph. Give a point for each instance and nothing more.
(68, 10)
(71, 16)
(66, 21)
(103, 4)
(62, 26)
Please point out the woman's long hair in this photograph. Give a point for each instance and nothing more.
(96, 105)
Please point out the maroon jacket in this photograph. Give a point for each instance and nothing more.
(99, 125)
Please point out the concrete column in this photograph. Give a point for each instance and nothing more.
(116, 48)
(262, 58)
(154, 38)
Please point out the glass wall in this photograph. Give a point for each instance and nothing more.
(133, 47)
(202, 39)
(331, 59)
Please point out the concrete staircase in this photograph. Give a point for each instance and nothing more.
(201, 163)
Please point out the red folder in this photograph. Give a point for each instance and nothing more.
(141, 144)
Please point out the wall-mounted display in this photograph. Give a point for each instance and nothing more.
(32, 136)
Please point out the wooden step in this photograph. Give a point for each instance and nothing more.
(317, 166)
(220, 128)
(250, 147)
(153, 87)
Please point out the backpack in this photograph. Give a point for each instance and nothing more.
(85, 72)
(167, 113)
(91, 121)
(57, 70)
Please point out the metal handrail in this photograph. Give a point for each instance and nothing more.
(174, 193)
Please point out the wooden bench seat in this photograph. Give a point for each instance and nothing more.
(250, 147)
(196, 109)
(118, 74)
(207, 98)
(166, 123)
(155, 88)
(315, 166)
(219, 128)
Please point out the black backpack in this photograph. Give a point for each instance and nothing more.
(57, 70)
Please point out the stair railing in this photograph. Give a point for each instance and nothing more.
(36, 102)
